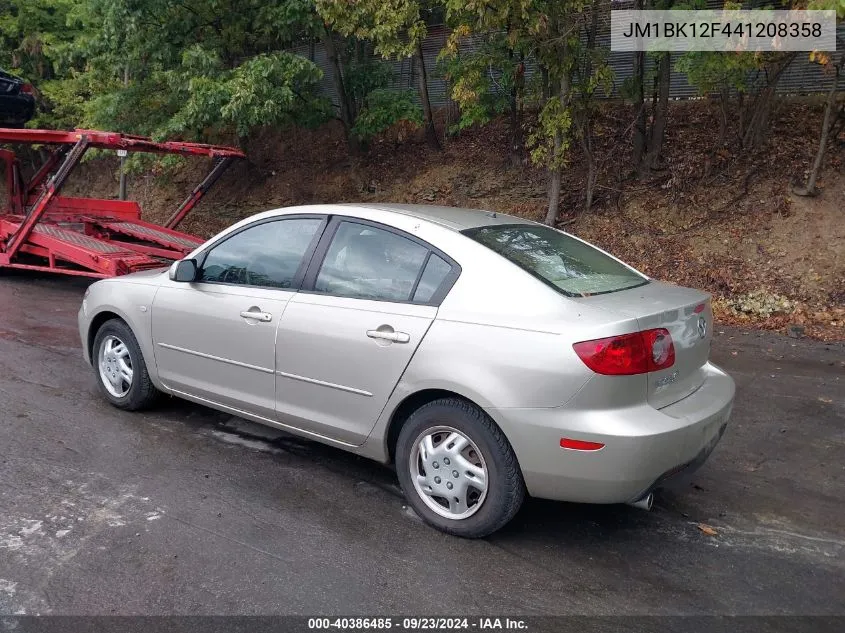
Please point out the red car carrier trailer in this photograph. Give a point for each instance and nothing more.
(41, 230)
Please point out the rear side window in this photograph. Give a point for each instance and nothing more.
(435, 272)
(368, 263)
(568, 265)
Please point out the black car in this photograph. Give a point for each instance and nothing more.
(17, 101)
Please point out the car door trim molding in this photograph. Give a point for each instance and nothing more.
(228, 361)
(323, 383)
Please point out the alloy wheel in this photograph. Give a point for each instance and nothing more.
(115, 365)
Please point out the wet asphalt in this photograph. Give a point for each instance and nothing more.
(183, 510)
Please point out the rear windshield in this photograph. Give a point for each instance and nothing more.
(568, 265)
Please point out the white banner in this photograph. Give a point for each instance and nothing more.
(716, 30)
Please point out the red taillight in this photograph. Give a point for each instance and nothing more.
(628, 354)
(28, 89)
(662, 349)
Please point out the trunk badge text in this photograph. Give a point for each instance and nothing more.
(666, 380)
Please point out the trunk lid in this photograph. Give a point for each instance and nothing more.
(686, 314)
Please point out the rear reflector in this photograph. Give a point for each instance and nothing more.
(628, 354)
(580, 445)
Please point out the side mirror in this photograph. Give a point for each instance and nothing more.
(184, 270)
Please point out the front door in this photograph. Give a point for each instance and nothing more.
(347, 337)
(215, 338)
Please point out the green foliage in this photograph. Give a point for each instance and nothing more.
(62, 103)
(384, 108)
(162, 67)
(829, 5)
(396, 27)
(202, 68)
(712, 72)
(552, 136)
(361, 77)
(376, 107)
(547, 31)
(482, 80)
(274, 89)
(35, 36)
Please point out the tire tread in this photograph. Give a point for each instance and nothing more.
(143, 393)
(514, 493)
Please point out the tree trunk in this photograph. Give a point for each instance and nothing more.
(592, 171)
(830, 104)
(640, 144)
(724, 102)
(517, 142)
(555, 169)
(545, 82)
(638, 78)
(554, 188)
(430, 130)
(758, 122)
(661, 109)
(586, 108)
(347, 117)
(761, 105)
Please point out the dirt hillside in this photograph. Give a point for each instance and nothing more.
(714, 218)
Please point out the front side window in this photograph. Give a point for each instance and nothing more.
(267, 254)
(369, 263)
(569, 265)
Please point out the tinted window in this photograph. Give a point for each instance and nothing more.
(560, 260)
(369, 263)
(435, 272)
(267, 254)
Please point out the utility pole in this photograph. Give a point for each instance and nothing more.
(122, 154)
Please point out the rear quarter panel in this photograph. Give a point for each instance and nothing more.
(501, 338)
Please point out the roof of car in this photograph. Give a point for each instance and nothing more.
(451, 217)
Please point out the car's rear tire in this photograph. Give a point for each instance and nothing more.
(457, 469)
(120, 369)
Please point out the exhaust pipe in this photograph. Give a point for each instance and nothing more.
(643, 504)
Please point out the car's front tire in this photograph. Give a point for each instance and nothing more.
(120, 368)
(457, 469)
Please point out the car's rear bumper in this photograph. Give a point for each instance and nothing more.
(646, 445)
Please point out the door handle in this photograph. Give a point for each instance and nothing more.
(395, 337)
(264, 317)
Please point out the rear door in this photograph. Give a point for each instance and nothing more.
(346, 338)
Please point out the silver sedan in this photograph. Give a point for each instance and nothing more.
(485, 356)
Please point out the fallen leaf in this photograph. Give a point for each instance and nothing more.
(825, 400)
(709, 531)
